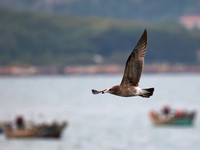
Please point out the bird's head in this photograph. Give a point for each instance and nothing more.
(111, 90)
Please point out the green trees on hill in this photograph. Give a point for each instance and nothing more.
(143, 10)
(54, 39)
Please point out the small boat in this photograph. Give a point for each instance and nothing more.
(35, 131)
(186, 119)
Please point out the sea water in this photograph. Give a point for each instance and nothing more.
(104, 121)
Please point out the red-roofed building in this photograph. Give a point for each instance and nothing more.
(190, 21)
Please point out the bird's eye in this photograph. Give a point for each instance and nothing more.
(110, 89)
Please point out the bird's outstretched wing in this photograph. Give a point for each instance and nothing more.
(96, 92)
(135, 62)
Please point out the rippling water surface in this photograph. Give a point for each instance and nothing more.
(100, 122)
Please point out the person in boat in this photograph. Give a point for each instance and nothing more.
(179, 113)
(20, 122)
(1, 127)
(166, 110)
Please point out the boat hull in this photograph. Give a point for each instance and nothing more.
(185, 120)
(38, 131)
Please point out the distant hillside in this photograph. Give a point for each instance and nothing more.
(44, 39)
(140, 10)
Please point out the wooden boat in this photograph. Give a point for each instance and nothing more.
(35, 131)
(184, 120)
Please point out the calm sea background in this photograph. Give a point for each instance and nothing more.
(100, 122)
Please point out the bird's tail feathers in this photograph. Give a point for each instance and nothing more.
(146, 93)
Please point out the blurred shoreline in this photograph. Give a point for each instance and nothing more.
(94, 69)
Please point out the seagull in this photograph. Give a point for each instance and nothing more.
(129, 85)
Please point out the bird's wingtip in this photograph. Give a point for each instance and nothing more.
(145, 30)
(95, 91)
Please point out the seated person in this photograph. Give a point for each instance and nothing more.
(166, 110)
(19, 122)
(179, 113)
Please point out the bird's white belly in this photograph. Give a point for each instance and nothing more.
(130, 91)
(138, 91)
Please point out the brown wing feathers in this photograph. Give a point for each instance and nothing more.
(134, 64)
(140, 48)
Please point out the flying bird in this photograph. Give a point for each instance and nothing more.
(129, 85)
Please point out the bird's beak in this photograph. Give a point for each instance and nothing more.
(104, 91)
